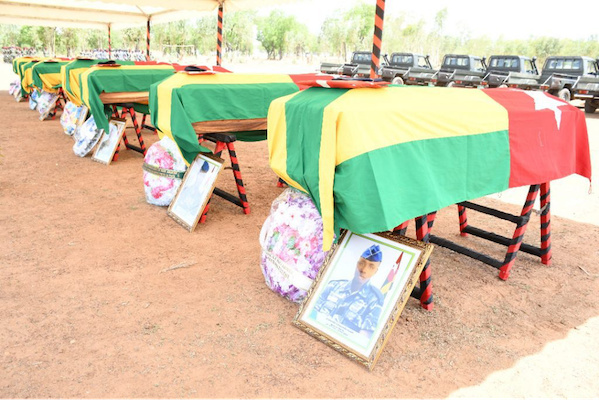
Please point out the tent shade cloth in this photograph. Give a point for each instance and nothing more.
(374, 158)
(46, 75)
(95, 14)
(126, 78)
(116, 13)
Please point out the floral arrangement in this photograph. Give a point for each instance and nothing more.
(163, 171)
(14, 86)
(291, 240)
(45, 102)
(86, 137)
(71, 115)
(33, 97)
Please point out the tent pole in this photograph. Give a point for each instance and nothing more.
(377, 38)
(109, 45)
(148, 41)
(219, 35)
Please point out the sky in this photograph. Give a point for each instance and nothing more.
(512, 19)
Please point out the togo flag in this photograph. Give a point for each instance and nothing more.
(179, 101)
(374, 158)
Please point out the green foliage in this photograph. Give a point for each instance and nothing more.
(351, 30)
(279, 34)
(275, 32)
(238, 32)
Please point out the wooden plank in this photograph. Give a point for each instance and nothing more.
(124, 97)
(230, 125)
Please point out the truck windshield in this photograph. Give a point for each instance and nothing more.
(453, 61)
(505, 62)
(563, 63)
(362, 58)
(590, 68)
(402, 59)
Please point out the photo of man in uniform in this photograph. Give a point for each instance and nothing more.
(356, 303)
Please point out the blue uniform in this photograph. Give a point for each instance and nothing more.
(356, 310)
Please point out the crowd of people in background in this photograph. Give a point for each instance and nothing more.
(9, 53)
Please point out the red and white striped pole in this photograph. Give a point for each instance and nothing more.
(377, 38)
(109, 46)
(219, 35)
(148, 41)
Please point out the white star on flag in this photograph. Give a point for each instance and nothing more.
(543, 101)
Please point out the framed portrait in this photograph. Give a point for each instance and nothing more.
(195, 190)
(46, 103)
(72, 117)
(86, 137)
(109, 141)
(360, 291)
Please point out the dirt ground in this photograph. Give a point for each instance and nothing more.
(87, 309)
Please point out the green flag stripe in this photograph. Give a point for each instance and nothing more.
(304, 116)
(207, 102)
(84, 64)
(109, 81)
(45, 68)
(363, 181)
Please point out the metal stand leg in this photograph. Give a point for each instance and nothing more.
(463, 220)
(402, 228)
(545, 224)
(514, 246)
(426, 287)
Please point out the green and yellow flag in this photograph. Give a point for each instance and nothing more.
(179, 101)
(374, 158)
(125, 78)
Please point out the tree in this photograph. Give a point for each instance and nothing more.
(352, 30)
(273, 33)
(238, 32)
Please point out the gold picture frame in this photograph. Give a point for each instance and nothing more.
(353, 309)
(195, 190)
(109, 142)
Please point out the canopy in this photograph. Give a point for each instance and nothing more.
(116, 13)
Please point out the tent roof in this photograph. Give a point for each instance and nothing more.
(116, 13)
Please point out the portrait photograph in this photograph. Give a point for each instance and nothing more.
(109, 141)
(195, 190)
(360, 291)
(46, 103)
(72, 117)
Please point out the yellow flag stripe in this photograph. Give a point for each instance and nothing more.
(165, 89)
(74, 84)
(83, 76)
(50, 80)
(414, 122)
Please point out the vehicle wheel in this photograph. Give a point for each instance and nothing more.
(397, 81)
(590, 106)
(450, 84)
(564, 94)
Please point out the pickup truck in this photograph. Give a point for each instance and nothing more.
(408, 68)
(359, 66)
(461, 70)
(568, 77)
(587, 88)
(512, 71)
